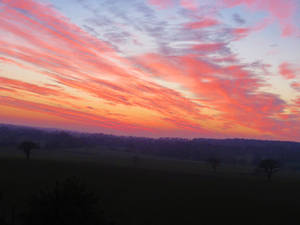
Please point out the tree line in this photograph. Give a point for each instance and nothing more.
(231, 151)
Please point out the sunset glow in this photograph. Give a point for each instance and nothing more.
(176, 68)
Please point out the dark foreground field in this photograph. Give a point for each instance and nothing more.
(141, 195)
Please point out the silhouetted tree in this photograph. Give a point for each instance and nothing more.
(214, 162)
(269, 166)
(27, 146)
(69, 203)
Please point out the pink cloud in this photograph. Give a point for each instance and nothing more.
(19, 85)
(283, 11)
(287, 70)
(204, 23)
(80, 66)
(229, 90)
(161, 4)
(296, 85)
(189, 4)
(209, 47)
(243, 32)
(16, 85)
(73, 60)
(239, 33)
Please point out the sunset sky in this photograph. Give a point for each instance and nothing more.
(156, 68)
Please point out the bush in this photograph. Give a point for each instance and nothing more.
(69, 203)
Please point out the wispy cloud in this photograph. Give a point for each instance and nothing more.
(142, 73)
(283, 11)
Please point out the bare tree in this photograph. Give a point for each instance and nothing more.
(27, 147)
(214, 162)
(269, 167)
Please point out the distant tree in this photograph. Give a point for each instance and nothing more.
(69, 203)
(214, 162)
(269, 167)
(27, 147)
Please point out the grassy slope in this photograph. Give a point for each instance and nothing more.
(160, 191)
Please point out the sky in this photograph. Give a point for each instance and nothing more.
(155, 68)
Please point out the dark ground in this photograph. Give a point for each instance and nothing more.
(140, 195)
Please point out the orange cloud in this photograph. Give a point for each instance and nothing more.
(89, 83)
(15, 84)
(229, 91)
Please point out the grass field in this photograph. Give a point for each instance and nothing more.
(156, 191)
